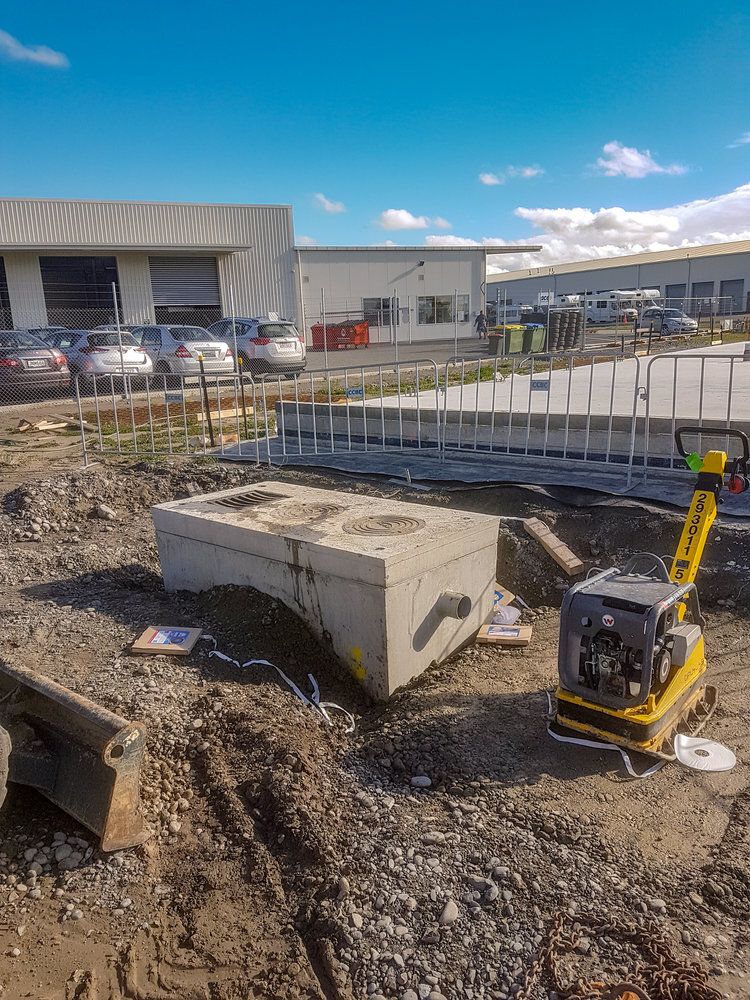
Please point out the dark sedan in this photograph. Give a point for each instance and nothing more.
(27, 363)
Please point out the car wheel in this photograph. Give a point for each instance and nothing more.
(168, 380)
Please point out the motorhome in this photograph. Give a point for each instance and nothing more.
(613, 306)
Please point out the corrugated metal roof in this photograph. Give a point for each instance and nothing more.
(43, 223)
(428, 249)
(628, 260)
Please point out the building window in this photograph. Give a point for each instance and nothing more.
(432, 309)
(377, 312)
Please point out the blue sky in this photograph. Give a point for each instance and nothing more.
(591, 128)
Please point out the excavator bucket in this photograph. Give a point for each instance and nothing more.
(77, 754)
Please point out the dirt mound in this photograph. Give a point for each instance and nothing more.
(292, 859)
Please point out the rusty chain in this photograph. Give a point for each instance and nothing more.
(658, 973)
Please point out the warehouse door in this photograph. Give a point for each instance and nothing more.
(701, 299)
(675, 296)
(185, 290)
(78, 290)
(734, 289)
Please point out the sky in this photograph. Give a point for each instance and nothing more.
(592, 129)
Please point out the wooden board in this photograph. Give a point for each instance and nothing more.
(74, 422)
(549, 541)
(230, 414)
(505, 635)
(160, 640)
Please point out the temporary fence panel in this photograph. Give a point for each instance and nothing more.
(264, 419)
(692, 389)
(393, 406)
(568, 407)
(601, 413)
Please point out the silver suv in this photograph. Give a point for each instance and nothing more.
(265, 343)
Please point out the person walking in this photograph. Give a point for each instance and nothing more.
(481, 324)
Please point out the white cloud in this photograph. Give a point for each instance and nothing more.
(632, 162)
(399, 218)
(500, 178)
(329, 206)
(571, 234)
(743, 140)
(453, 241)
(524, 172)
(306, 241)
(12, 49)
(385, 243)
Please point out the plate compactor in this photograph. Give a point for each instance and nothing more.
(631, 660)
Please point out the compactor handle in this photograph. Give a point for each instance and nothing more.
(715, 432)
(657, 567)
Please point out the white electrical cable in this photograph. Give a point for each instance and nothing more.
(312, 702)
(600, 746)
(266, 663)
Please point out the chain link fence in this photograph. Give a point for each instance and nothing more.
(88, 341)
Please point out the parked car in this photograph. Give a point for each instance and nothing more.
(43, 331)
(26, 363)
(177, 350)
(264, 344)
(97, 352)
(669, 321)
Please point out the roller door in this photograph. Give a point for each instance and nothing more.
(185, 290)
(733, 288)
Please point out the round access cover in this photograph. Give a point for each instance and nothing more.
(703, 755)
(311, 511)
(383, 524)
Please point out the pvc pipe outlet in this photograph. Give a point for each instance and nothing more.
(453, 605)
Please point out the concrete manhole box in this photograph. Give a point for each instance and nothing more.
(393, 586)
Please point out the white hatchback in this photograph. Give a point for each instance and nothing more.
(179, 350)
(265, 344)
(669, 321)
(97, 352)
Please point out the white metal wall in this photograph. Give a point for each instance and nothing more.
(351, 274)
(263, 279)
(135, 288)
(25, 290)
(51, 223)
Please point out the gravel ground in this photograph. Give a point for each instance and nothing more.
(423, 856)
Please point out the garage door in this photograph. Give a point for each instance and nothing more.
(733, 288)
(675, 296)
(185, 289)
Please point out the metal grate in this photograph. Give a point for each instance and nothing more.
(383, 525)
(254, 498)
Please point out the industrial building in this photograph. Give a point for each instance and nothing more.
(169, 262)
(415, 293)
(693, 275)
(191, 263)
